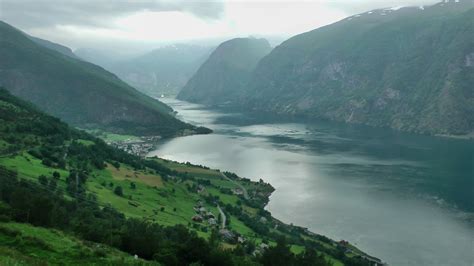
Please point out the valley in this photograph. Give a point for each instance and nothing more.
(71, 167)
(237, 133)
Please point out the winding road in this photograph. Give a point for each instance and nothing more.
(246, 195)
(223, 218)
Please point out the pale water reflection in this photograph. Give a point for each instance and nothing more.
(404, 198)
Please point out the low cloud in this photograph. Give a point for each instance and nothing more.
(358, 6)
(95, 13)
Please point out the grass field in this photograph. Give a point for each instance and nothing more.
(150, 197)
(23, 244)
(127, 173)
(30, 167)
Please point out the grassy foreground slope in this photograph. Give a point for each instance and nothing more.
(24, 244)
(54, 176)
(79, 92)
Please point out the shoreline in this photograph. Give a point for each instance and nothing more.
(469, 136)
(305, 118)
(349, 247)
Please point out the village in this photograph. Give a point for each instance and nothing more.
(140, 147)
(219, 223)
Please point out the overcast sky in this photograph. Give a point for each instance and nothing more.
(134, 23)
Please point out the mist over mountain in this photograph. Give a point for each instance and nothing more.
(54, 46)
(100, 57)
(226, 72)
(162, 71)
(410, 68)
(78, 92)
(341, 138)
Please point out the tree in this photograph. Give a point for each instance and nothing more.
(52, 184)
(56, 175)
(118, 191)
(47, 162)
(310, 257)
(278, 255)
(43, 180)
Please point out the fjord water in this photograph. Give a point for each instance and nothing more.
(407, 199)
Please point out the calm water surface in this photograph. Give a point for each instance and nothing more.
(406, 199)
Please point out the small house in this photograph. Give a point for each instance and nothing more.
(212, 221)
(226, 235)
(197, 218)
(237, 191)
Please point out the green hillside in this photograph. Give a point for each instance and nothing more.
(56, 177)
(226, 71)
(54, 46)
(24, 244)
(78, 92)
(410, 69)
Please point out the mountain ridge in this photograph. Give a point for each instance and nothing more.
(225, 72)
(408, 69)
(79, 92)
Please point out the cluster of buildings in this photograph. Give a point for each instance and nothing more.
(136, 147)
(260, 249)
(202, 214)
(238, 191)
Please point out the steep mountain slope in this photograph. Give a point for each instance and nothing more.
(226, 72)
(101, 57)
(411, 69)
(54, 46)
(162, 71)
(78, 92)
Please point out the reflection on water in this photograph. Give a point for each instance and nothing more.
(405, 198)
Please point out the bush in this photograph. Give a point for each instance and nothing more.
(43, 180)
(118, 191)
(56, 175)
(47, 162)
(5, 218)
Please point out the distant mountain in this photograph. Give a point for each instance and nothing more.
(97, 57)
(410, 69)
(226, 72)
(162, 71)
(78, 92)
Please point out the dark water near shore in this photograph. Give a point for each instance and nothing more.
(407, 199)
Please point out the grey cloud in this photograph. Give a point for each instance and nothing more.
(46, 13)
(358, 6)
